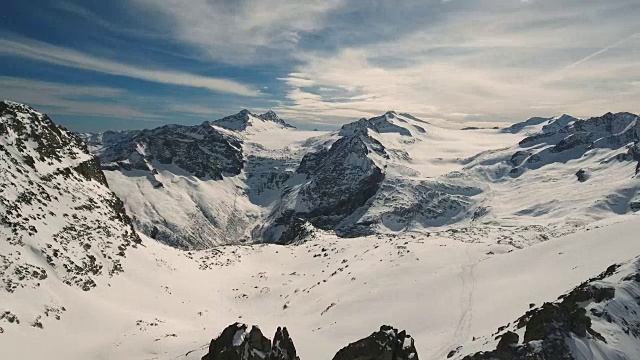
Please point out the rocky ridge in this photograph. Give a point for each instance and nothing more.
(241, 342)
(202, 150)
(245, 119)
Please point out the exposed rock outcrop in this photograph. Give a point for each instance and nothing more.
(201, 150)
(241, 342)
(386, 344)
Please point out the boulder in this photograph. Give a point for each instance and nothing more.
(582, 175)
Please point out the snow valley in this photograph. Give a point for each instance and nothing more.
(419, 239)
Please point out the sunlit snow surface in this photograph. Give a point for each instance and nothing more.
(443, 291)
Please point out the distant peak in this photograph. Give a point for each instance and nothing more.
(242, 120)
(269, 115)
(272, 116)
(379, 124)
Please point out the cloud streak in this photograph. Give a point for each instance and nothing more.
(241, 31)
(44, 52)
(601, 51)
(64, 99)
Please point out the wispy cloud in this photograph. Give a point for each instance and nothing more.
(240, 31)
(493, 61)
(44, 52)
(331, 61)
(64, 99)
(95, 19)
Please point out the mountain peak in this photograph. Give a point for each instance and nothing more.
(272, 116)
(379, 124)
(246, 118)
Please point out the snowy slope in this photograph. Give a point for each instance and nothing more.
(59, 224)
(599, 319)
(178, 182)
(195, 187)
(169, 304)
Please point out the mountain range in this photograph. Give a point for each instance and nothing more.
(165, 236)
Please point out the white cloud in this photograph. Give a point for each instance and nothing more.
(496, 62)
(238, 31)
(40, 51)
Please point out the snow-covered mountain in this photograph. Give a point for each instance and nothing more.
(245, 120)
(452, 235)
(253, 178)
(59, 222)
(198, 186)
(171, 180)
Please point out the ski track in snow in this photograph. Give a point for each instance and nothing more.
(461, 332)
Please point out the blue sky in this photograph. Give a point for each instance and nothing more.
(119, 64)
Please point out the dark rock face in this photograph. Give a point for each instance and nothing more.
(507, 341)
(200, 150)
(238, 342)
(634, 151)
(386, 344)
(342, 179)
(516, 128)
(272, 116)
(610, 130)
(282, 348)
(338, 181)
(573, 141)
(519, 157)
(298, 231)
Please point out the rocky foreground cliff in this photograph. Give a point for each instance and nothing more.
(241, 342)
